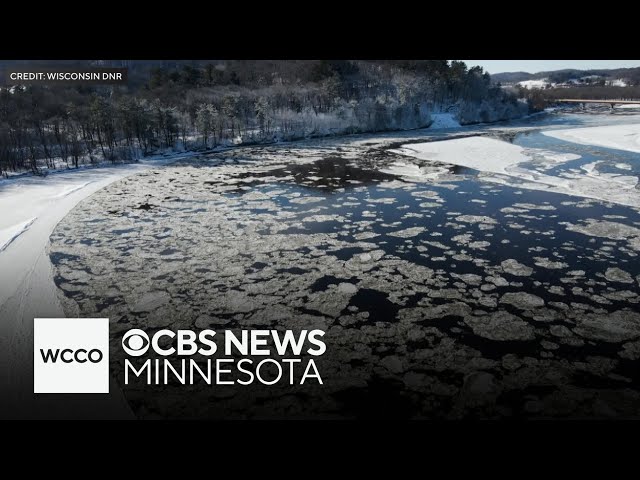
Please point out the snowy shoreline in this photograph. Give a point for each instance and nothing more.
(440, 122)
(32, 207)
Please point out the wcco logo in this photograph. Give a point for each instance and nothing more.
(71, 355)
(68, 356)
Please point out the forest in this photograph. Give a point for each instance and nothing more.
(203, 105)
(594, 92)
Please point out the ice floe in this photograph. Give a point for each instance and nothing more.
(617, 326)
(501, 326)
(614, 274)
(516, 268)
(607, 229)
(522, 300)
(621, 137)
(504, 163)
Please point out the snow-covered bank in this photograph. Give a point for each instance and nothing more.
(505, 163)
(9, 234)
(444, 120)
(32, 206)
(533, 84)
(620, 137)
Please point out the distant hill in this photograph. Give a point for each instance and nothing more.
(629, 76)
(513, 77)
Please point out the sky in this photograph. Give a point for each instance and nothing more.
(534, 66)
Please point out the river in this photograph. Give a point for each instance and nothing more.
(445, 291)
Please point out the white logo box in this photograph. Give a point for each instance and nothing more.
(80, 347)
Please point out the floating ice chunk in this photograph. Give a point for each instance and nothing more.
(463, 239)
(150, 301)
(437, 245)
(348, 288)
(476, 219)
(550, 264)
(365, 235)
(631, 351)
(590, 167)
(479, 245)
(615, 274)
(365, 257)
(330, 302)
(468, 278)
(531, 206)
(501, 326)
(386, 201)
(621, 137)
(393, 364)
(415, 173)
(617, 326)
(516, 268)
(513, 210)
(324, 218)
(407, 232)
(480, 153)
(505, 163)
(522, 300)
(497, 280)
(576, 273)
(607, 229)
(560, 331)
(256, 196)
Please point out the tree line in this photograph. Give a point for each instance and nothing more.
(539, 99)
(201, 105)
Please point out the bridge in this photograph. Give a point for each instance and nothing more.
(583, 102)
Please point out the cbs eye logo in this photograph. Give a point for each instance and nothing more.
(135, 342)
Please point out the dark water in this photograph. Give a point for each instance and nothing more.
(541, 227)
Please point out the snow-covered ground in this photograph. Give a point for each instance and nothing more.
(9, 234)
(31, 208)
(618, 82)
(505, 163)
(621, 137)
(533, 84)
(543, 82)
